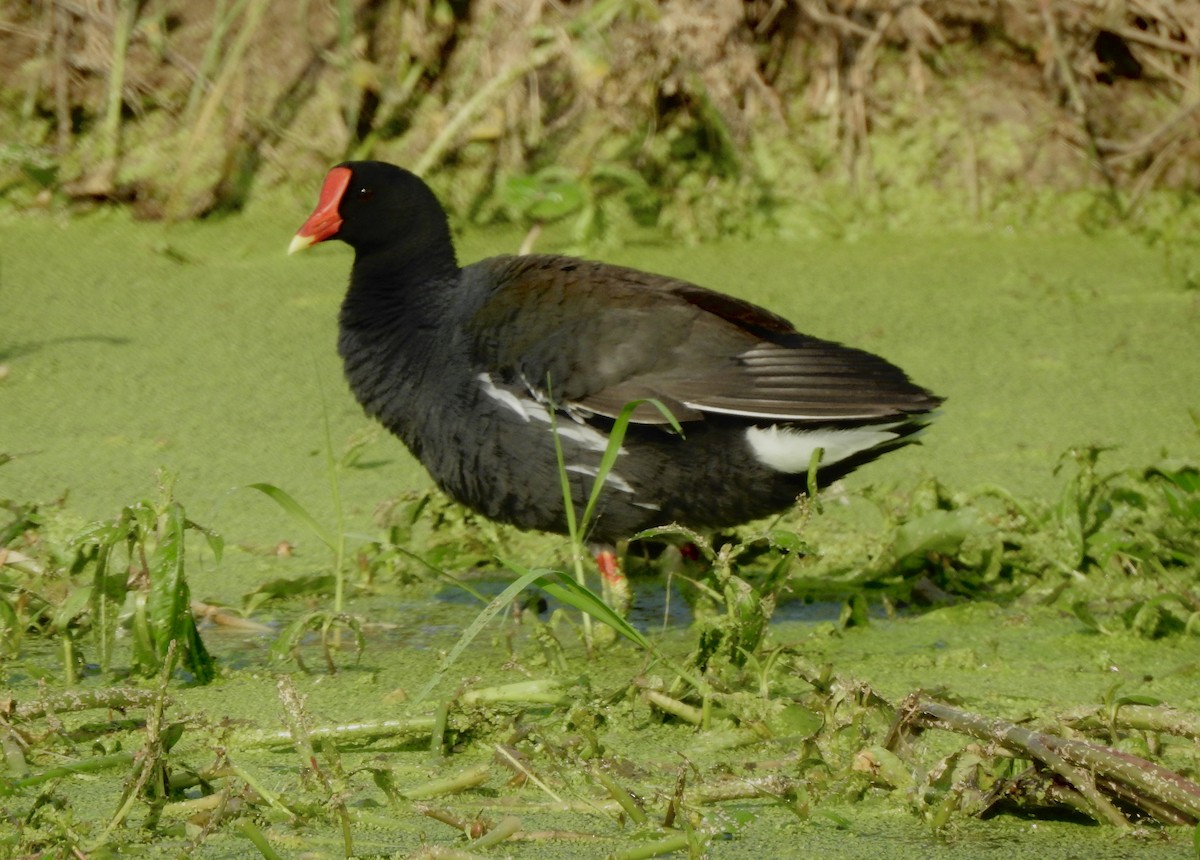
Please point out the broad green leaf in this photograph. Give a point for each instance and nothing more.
(937, 531)
(1147, 701)
(786, 540)
(168, 599)
(544, 196)
(216, 543)
(75, 602)
(169, 602)
(796, 721)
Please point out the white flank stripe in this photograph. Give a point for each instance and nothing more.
(592, 440)
(528, 408)
(505, 397)
(611, 478)
(786, 449)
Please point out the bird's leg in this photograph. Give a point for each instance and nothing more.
(614, 584)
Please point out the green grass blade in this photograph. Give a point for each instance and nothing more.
(297, 512)
(439, 572)
(611, 451)
(335, 492)
(494, 607)
(566, 590)
(814, 463)
(564, 481)
(562, 587)
(291, 636)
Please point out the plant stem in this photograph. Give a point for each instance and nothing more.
(339, 550)
(509, 826)
(454, 784)
(69, 675)
(246, 29)
(256, 837)
(83, 700)
(574, 528)
(110, 129)
(222, 18)
(636, 814)
(60, 22)
(271, 798)
(670, 845)
(343, 733)
(1079, 762)
(476, 103)
(351, 99)
(87, 765)
(1146, 718)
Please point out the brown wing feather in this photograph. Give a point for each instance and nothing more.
(620, 335)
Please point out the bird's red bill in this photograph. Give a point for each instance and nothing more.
(325, 221)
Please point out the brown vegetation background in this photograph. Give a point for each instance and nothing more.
(697, 115)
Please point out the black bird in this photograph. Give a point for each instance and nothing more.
(467, 364)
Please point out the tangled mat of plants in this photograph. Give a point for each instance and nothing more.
(741, 727)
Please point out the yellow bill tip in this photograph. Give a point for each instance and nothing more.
(299, 243)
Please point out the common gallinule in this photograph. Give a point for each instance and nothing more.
(466, 365)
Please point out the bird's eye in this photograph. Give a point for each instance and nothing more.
(365, 194)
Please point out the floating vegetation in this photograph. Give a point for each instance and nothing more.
(647, 744)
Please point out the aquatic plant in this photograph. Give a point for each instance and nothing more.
(767, 732)
(127, 572)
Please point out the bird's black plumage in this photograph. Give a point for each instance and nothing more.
(466, 364)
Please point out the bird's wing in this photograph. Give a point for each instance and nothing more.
(599, 336)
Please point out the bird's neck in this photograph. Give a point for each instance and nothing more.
(394, 290)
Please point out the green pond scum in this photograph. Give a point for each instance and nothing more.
(986, 645)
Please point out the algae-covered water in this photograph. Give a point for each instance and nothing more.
(203, 350)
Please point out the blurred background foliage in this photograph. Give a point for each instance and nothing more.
(697, 117)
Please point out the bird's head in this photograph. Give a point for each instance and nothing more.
(372, 205)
